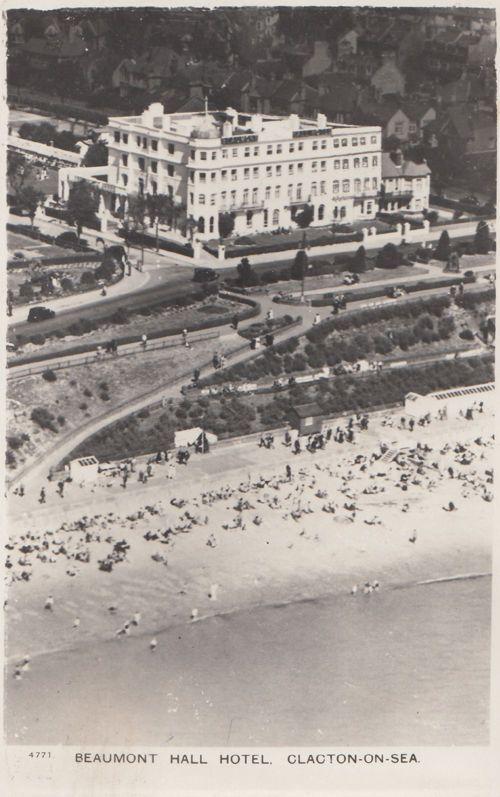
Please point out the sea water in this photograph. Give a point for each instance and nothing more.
(399, 667)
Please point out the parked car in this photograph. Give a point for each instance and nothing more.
(204, 275)
(470, 199)
(11, 346)
(395, 291)
(469, 276)
(69, 240)
(350, 279)
(40, 314)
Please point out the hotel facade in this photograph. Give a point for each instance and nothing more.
(262, 169)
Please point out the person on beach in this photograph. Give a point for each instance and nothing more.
(49, 603)
(41, 500)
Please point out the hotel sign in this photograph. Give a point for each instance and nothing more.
(240, 139)
(325, 131)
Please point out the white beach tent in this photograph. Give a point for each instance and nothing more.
(189, 437)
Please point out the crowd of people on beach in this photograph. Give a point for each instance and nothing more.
(347, 487)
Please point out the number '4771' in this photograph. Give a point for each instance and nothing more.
(39, 754)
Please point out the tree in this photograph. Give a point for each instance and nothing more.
(28, 198)
(482, 241)
(443, 249)
(226, 224)
(159, 207)
(388, 257)
(245, 272)
(299, 266)
(358, 263)
(83, 204)
(136, 218)
(19, 171)
(96, 155)
(305, 217)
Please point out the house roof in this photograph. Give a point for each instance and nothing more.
(339, 101)
(416, 110)
(379, 112)
(407, 168)
(466, 123)
(307, 410)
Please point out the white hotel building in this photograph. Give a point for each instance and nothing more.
(263, 169)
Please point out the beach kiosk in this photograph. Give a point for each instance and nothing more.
(307, 418)
(85, 469)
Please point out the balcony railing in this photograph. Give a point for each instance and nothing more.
(236, 207)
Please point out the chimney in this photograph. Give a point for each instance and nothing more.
(321, 120)
(227, 130)
(294, 121)
(256, 122)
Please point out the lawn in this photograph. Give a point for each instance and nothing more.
(32, 248)
(336, 280)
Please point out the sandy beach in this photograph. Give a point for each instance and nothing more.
(352, 520)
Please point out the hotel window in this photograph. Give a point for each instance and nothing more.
(245, 196)
(362, 141)
(279, 149)
(336, 186)
(345, 186)
(170, 170)
(266, 218)
(212, 199)
(364, 162)
(224, 154)
(323, 166)
(356, 163)
(213, 176)
(368, 207)
(323, 143)
(314, 166)
(214, 154)
(142, 164)
(336, 164)
(223, 175)
(125, 138)
(249, 218)
(235, 152)
(138, 141)
(125, 160)
(171, 149)
(154, 187)
(291, 148)
(170, 190)
(366, 184)
(223, 196)
(374, 182)
(124, 179)
(344, 142)
(203, 177)
(233, 197)
(299, 191)
(203, 156)
(300, 146)
(290, 168)
(357, 185)
(269, 149)
(191, 198)
(345, 163)
(374, 161)
(255, 195)
(234, 174)
(201, 224)
(246, 174)
(373, 140)
(117, 136)
(322, 187)
(268, 192)
(321, 212)
(277, 192)
(269, 171)
(154, 167)
(314, 189)
(276, 217)
(154, 145)
(290, 192)
(211, 224)
(278, 171)
(354, 141)
(300, 168)
(315, 145)
(255, 171)
(336, 143)
(192, 154)
(144, 143)
(201, 199)
(247, 152)
(255, 150)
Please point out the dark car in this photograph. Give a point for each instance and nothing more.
(69, 240)
(40, 314)
(204, 275)
(469, 276)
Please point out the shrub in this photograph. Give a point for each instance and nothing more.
(38, 339)
(43, 418)
(67, 284)
(61, 420)
(87, 278)
(144, 413)
(26, 290)
(10, 459)
(443, 249)
(83, 406)
(388, 257)
(466, 334)
(87, 392)
(49, 375)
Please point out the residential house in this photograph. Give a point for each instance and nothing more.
(319, 62)
(447, 53)
(357, 67)
(390, 116)
(150, 72)
(420, 115)
(346, 44)
(405, 184)
(293, 96)
(471, 131)
(388, 79)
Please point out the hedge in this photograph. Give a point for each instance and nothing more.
(381, 290)
(146, 240)
(456, 204)
(283, 246)
(63, 260)
(35, 233)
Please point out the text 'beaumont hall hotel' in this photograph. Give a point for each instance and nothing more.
(263, 169)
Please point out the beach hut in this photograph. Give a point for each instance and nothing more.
(307, 418)
(84, 469)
